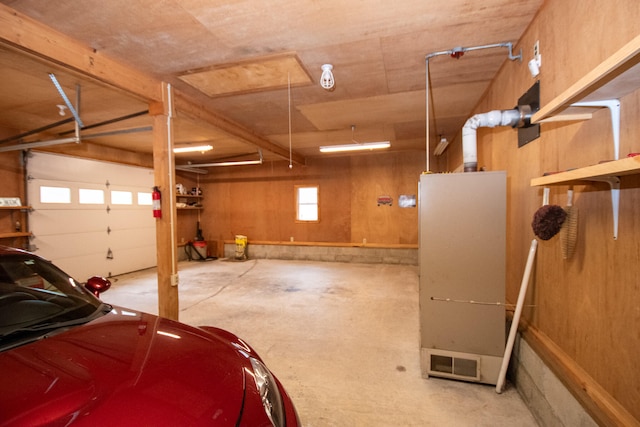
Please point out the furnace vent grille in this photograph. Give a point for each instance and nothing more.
(454, 365)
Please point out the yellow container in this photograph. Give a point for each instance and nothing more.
(241, 246)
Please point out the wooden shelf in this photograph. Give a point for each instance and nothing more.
(609, 172)
(191, 198)
(15, 208)
(617, 76)
(13, 235)
(614, 78)
(599, 172)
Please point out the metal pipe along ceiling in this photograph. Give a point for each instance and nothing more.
(456, 53)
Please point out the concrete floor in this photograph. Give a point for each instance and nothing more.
(343, 339)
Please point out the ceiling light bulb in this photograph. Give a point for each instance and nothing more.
(326, 79)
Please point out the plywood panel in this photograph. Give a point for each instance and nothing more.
(12, 179)
(260, 203)
(276, 71)
(586, 304)
(374, 176)
(402, 107)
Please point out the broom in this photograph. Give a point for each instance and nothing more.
(569, 230)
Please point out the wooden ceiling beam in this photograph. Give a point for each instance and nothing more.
(33, 37)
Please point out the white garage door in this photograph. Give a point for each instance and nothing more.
(90, 217)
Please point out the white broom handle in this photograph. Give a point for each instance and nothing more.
(516, 316)
(545, 196)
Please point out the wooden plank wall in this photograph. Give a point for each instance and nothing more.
(588, 306)
(260, 202)
(12, 179)
(11, 175)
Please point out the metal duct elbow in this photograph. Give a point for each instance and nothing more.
(491, 119)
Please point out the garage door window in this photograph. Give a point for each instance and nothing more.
(307, 203)
(144, 199)
(87, 196)
(121, 198)
(55, 195)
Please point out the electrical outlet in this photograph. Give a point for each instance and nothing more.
(536, 49)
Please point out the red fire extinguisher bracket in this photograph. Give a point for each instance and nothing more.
(156, 201)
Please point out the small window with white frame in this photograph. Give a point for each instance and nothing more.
(50, 194)
(144, 198)
(90, 196)
(121, 197)
(307, 203)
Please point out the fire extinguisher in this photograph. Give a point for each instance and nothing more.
(155, 197)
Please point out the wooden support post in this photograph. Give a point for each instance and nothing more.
(166, 228)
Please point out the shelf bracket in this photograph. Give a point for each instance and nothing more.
(614, 183)
(614, 107)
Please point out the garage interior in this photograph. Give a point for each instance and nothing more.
(125, 83)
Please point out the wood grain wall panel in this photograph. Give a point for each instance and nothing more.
(586, 305)
(374, 176)
(11, 176)
(260, 202)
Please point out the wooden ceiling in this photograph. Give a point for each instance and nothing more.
(237, 58)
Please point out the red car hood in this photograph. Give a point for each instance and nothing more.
(125, 368)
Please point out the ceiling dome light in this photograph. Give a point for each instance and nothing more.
(326, 79)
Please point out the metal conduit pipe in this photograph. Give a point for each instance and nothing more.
(518, 117)
(457, 53)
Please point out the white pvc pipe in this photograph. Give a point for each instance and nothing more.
(469, 139)
(516, 316)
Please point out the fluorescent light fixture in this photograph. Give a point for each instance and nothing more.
(442, 145)
(358, 146)
(236, 163)
(196, 167)
(193, 167)
(192, 148)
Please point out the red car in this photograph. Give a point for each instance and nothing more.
(66, 358)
